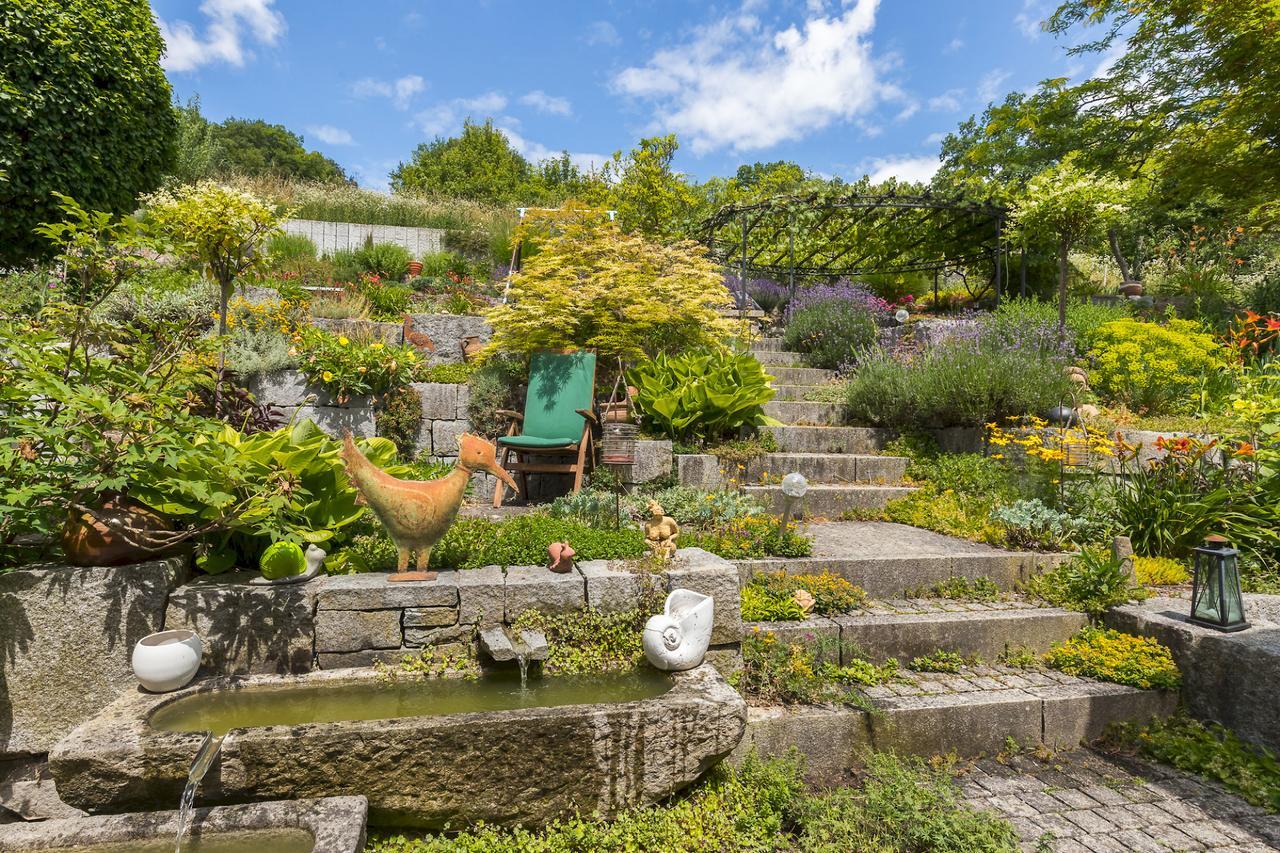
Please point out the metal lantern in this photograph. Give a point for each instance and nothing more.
(619, 444)
(1216, 600)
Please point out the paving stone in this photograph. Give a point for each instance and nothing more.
(481, 595)
(357, 630)
(374, 591)
(610, 589)
(539, 588)
(430, 617)
(1089, 821)
(1075, 799)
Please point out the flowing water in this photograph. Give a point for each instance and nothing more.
(523, 661)
(205, 756)
(222, 710)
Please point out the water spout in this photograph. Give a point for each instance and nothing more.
(205, 756)
(503, 644)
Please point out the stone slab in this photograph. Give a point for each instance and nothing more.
(337, 824)
(704, 572)
(699, 471)
(447, 332)
(539, 588)
(968, 724)
(832, 740)
(481, 595)
(334, 421)
(827, 439)
(430, 617)
(439, 400)
(654, 461)
(822, 633)
(357, 630)
(248, 629)
(610, 588)
(1080, 714)
(362, 659)
(374, 591)
(825, 500)
(985, 634)
(66, 640)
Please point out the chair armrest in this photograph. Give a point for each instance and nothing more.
(515, 416)
(588, 414)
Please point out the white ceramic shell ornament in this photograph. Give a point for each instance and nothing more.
(677, 639)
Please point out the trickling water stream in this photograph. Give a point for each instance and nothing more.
(205, 756)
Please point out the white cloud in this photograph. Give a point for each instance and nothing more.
(737, 83)
(231, 23)
(912, 107)
(535, 152)
(947, 102)
(399, 91)
(1108, 60)
(902, 167)
(330, 135)
(544, 103)
(934, 138)
(991, 86)
(1028, 20)
(953, 46)
(602, 33)
(447, 116)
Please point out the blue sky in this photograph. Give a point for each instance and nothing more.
(842, 88)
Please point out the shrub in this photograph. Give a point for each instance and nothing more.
(687, 506)
(261, 336)
(1022, 322)
(954, 383)
(1031, 524)
(496, 384)
(830, 335)
(347, 368)
(751, 537)
(1120, 658)
(793, 673)
(1153, 369)
(283, 248)
(620, 294)
(701, 393)
(1090, 582)
(1160, 571)
(95, 121)
(346, 265)
(159, 297)
(522, 541)
(1207, 749)
(589, 641)
(400, 418)
(385, 260)
(774, 591)
(440, 264)
(386, 301)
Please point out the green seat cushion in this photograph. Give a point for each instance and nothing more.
(559, 385)
(533, 442)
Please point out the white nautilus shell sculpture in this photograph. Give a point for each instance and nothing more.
(677, 638)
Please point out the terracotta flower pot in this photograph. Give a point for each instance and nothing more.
(471, 345)
(1131, 288)
(90, 541)
(415, 269)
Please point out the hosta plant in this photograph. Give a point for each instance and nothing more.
(702, 393)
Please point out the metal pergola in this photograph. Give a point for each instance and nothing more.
(856, 234)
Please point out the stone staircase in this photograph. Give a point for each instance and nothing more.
(842, 464)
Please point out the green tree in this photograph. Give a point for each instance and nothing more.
(199, 154)
(1069, 206)
(84, 111)
(224, 229)
(650, 197)
(480, 164)
(253, 147)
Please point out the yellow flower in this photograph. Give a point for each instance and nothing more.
(327, 376)
(343, 340)
(378, 345)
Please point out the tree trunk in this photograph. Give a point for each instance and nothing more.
(223, 303)
(1063, 248)
(1115, 250)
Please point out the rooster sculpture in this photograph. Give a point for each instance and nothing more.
(417, 513)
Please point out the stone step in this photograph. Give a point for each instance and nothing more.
(827, 468)
(891, 577)
(826, 439)
(768, 345)
(801, 375)
(908, 629)
(970, 713)
(804, 412)
(789, 393)
(825, 500)
(777, 358)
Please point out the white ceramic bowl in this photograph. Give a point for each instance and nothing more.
(167, 660)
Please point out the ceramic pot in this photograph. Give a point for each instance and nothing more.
(1131, 288)
(415, 269)
(167, 660)
(470, 346)
(90, 541)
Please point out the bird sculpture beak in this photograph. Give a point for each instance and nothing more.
(502, 474)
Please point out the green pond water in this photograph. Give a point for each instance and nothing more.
(248, 841)
(223, 710)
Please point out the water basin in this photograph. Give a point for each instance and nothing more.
(259, 841)
(300, 703)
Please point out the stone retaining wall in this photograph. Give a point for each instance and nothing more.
(330, 237)
(66, 639)
(355, 620)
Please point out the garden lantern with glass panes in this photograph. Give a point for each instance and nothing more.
(1216, 600)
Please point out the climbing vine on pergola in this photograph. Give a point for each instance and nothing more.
(828, 235)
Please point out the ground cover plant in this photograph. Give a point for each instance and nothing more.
(1089, 582)
(958, 588)
(803, 672)
(899, 805)
(779, 597)
(1206, 749)
(592, 641)
(1113, 656)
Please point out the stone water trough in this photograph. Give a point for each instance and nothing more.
(334, 825)
(523, 765)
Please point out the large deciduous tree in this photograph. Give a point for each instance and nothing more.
(84, 111)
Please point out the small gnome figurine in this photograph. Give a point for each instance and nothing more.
(660, 532)
(561, 554)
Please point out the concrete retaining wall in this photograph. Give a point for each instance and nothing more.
(334, 236)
